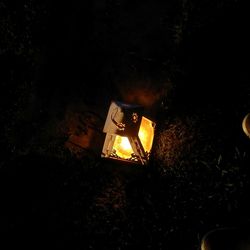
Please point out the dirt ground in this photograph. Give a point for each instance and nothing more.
(185, 61)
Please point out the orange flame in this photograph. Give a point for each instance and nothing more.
(123, 147)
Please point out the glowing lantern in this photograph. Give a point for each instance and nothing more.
(129, 135)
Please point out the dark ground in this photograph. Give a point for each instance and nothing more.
(187, 61)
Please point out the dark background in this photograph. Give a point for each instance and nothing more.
(186, 61)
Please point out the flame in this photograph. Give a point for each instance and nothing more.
(122, 147)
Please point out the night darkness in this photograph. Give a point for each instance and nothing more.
(185, 61)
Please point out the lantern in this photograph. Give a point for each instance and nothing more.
(129, 135)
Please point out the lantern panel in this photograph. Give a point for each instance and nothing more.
(146, 134)
(122, 147)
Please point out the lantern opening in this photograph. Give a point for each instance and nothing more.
(122, 147)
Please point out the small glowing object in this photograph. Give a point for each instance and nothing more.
(246, 125)
(129, 135)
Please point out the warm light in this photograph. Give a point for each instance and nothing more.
(146, 134)
(122, 147)
(246, 125)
